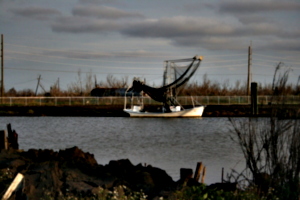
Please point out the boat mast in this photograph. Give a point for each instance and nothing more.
(165, 75)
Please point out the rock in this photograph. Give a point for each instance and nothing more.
(153, 181)
(77, 156)
(43, 179)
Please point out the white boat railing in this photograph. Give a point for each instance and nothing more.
(183, 100)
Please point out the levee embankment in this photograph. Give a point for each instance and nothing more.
(117, 110)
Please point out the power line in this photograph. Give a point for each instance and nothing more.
(273, 66)
(102, 67)
(224, 61)
(144, 55)
(112, 54)
(225, 66)
(83, 59)
(210, 60)
(111, 67)
(288, 59)
(88, 53)
(25, 82)
(86, 72)
(67, 71)
(264, 60)
(101, 60)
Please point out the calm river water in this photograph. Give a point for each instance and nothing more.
(169, 144)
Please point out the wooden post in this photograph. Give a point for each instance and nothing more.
(222, 178)
(9, 134)
(203, 175)
(198, 171)
(12, 138)
(254, 109)
(9, 130)
(13, 186)
(3, 140)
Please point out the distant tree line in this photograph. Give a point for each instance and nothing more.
(82, 86)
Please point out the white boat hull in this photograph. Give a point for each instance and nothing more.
(191, 112)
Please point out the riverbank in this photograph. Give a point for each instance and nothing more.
(117, 111)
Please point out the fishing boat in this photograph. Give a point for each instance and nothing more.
(176, 74)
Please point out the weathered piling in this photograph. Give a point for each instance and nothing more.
(254, 109)
(198, 171)
(186, 175)
(3, 140)
(12, 138)
(203, 175)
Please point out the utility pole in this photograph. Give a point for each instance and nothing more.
(2, 66)
(249, 69)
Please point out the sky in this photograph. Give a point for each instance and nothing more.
(58, 40)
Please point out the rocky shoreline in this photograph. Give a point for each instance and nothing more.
(74, 173)
(70, 173)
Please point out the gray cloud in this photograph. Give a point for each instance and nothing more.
(178, 26)
(90, 1)
(257, 12)
(93, 19)
(104, 12)
(249, 18)
(254, 7)
(97, 1)
(281, 45)
(181, 31)
(200, 27)
(262, 28)
(84, 25)
(239, 43)
(34, 12)
(212, 42)
(210, 33)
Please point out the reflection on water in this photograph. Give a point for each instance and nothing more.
(169, 144)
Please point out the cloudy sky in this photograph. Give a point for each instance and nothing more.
(132, 38)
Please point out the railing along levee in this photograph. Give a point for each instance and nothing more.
(183, 100)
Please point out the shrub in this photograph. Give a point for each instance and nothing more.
(271, 147)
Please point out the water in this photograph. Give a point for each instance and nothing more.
(169, 144)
